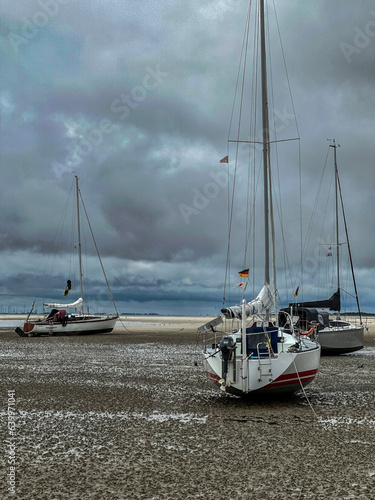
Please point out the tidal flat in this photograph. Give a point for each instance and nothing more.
(131, 415)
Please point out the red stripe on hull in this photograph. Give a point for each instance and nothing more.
(291, 379)
(295, 375)
(213, 377)
(303, 380)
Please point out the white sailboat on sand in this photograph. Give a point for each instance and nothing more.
(70, 318)
(252, 354)
(336, 336)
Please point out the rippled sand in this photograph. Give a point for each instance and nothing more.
(131, 415)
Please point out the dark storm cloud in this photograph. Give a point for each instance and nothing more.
(135, 97)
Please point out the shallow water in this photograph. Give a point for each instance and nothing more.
(133, 416)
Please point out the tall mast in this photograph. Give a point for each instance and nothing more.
(337, 193)
(79, 240)
(335, 146)
(265, 141)
(349, 250)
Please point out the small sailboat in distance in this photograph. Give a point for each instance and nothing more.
(70, 318)
(252, 354)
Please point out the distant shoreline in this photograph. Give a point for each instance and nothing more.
(174, 323)
(136, 316)
(123, 317)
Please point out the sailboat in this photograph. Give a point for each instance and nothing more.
(70, 318)
(251, 354)
(336, 336)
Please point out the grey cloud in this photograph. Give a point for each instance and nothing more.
(64, 81)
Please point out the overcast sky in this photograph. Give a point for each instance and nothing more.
(135, 97)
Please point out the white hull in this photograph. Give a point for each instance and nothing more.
(341, 338)
(284, 371)
(74, 326)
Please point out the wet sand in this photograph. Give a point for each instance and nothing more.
(131, 415)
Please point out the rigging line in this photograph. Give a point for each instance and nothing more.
(304, 392)
(250, 212)
(272, 190)
(328, 199)
(97, 251)
(228, 207)
(271, 212)
(243, 56)
(239, 68)
(84, 247)
(278, 198)
(249, 169)
(287, 267)
(349, 250)
(72, 237)
(286, 68)
(73, 260)
(269, 142)
(253, 121)
(57, 237)
(250, 207)
(251, 227)
(300, 216)
(333, 433)
(313, 213)
(347, 293)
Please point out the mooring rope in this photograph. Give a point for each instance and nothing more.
(334, 434)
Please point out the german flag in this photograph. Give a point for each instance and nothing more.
(244, 273)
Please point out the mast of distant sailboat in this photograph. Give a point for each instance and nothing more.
(79, 242)
(338, 195)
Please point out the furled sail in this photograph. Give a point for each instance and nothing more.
(77, 303)
(262, 302)
(333, 303)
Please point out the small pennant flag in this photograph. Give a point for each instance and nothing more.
(296, 292)
(68, 287)
(242, 286)
(224, 160)
(244, 273)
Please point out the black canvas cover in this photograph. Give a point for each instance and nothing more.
(333, 303)
(306, 316)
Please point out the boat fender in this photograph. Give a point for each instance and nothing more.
(307, 333)
(20, 332)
